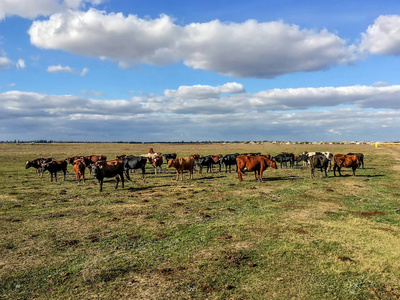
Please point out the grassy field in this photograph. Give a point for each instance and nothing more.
(290, 237)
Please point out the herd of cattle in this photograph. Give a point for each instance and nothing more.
(254, 162)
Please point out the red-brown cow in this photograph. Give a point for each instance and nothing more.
(216, 161)
(181, 164)
(79, 168)
(106, 169)
(345, 161)
(90, 159)
(254, 163)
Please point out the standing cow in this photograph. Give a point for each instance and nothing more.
(258, 164)
(106, 169)
(319, 161)
(180, 164)
(345, 161)
(79, 168)
(55, 166)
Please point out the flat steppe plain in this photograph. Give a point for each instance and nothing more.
(289, 237)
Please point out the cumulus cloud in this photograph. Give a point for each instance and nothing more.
(382, 37)
(204, 91)
(20, 64)
(248, 49)
(5, 63)
(66, 69)
(229, 114)
(31, 9)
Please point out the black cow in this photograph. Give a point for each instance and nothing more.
(360, 157)
(302, 158)
(169, 156)
(204, 161)
(319, 161)
(37, 164)
(106, 169)
(283, 158)
(134, 162)
(229, 160)
(55, 166)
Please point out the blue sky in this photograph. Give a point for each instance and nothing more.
(114, 70)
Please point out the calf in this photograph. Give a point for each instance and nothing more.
(55, 166)
(106, 169)
(360, 158)
(181, 164)
(134, 162)
(318, 161)
(216, 161)
(79, 168)
(253, 163)
(345, 161)
(302, 158)
(203, 161)
(229, 160)
(284, 158)
(157, 163)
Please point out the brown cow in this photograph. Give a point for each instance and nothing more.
(181, 164)
(90, 159)
(345, 161)
(37, 164)
(79, 168)
(106, 169)
(254, 163)
(216, 161)
(157, 163)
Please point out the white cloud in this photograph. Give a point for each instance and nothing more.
(249, 49)
(60, 69)
(31, 9)
(66, 69)
(20, 64)
(5, 63)
(383, 37)
(84, 71)
(224, 116)
(204, 91)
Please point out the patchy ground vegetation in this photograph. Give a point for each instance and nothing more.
(211, 237)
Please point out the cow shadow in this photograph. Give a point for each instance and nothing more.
(280, 178)
(143, 188)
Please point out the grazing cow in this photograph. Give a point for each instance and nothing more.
(345, 161)
(216, 161)
(302, 158)
(283, 158)
(134, 162)
(157, 163)
(360, 158)
(181, 164)
(203, 161)
(55, 166)
(37, 164)
(229, 160)
(106, 169)
(254, 163)
(169, 156)
(79, 168)
(319, 161)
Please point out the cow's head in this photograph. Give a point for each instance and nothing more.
(28, 164)
(272, 164)
(96, 167)
(171, 162)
